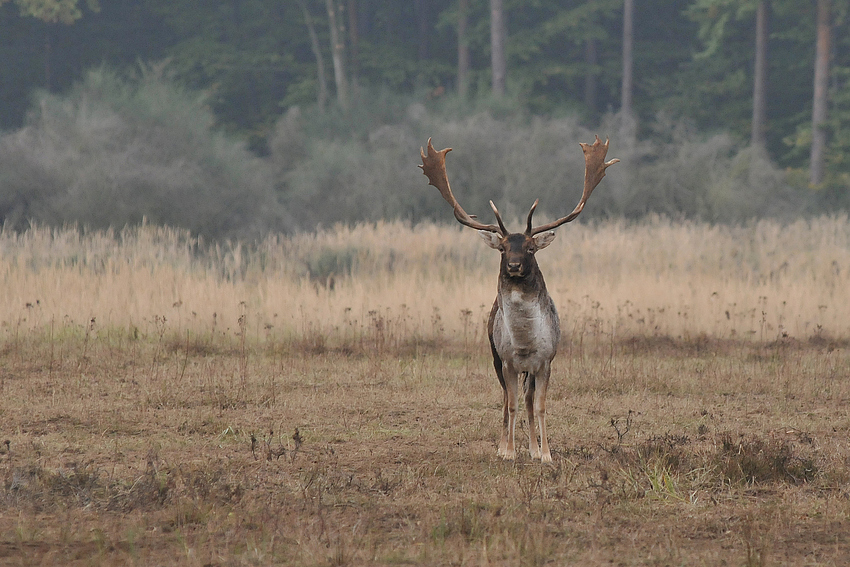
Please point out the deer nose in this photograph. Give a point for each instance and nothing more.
(514, 267)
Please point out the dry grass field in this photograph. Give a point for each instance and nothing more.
(327, 399)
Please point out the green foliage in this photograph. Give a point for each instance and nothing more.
(713, 17)
(243, 54)
(547, 48)
(115, 152)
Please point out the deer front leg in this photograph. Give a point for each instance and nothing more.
(542, 384)
(533, 447)
(509, 415)
(503, 441)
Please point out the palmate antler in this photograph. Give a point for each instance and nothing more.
(594, 170)
(434, 167)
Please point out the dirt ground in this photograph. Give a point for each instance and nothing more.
(117, 451)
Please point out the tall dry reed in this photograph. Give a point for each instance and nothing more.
(390, 282)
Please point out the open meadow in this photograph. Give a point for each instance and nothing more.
(328, 399)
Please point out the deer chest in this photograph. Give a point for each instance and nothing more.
(526, 327)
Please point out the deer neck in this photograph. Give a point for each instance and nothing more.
(531, 287)
(528, 320)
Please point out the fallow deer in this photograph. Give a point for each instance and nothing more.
(523, 327)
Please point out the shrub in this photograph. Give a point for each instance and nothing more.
(115, 151)
(356, 174)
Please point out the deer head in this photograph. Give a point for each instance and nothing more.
(518, 251)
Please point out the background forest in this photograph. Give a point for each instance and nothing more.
(241, 117)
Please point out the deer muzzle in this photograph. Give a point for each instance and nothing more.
(515, 269)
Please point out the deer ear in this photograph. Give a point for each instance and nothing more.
(544, 239)
(492, 239)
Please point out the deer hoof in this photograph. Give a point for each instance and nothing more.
(546, 458)
(507, 455)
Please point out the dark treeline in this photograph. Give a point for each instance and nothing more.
(720, 109)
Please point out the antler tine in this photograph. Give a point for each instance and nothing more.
(531, 214)
(499, 219)
(434, 167)
(594, 170)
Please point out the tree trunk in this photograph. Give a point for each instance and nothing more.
(47, 56)
(462, 49)
(423, 30)
(628, 62)
(338, 53)
(354, 43)
(423, 38)
(759, 78)
(322, 95)
(498, 31)
(591, 60)
(819, 101)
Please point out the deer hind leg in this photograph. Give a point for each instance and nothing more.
(509, 416)
(530, 389)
